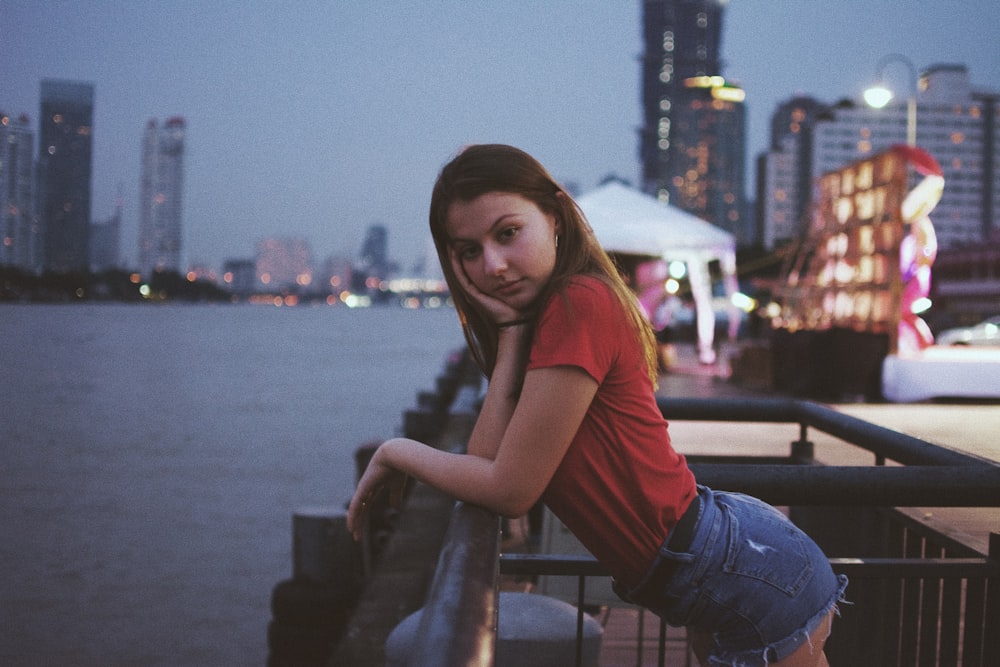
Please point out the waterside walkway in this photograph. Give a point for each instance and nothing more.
(403, 577)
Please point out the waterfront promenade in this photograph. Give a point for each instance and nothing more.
(966, 426)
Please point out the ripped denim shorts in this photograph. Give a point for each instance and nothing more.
(749, 577)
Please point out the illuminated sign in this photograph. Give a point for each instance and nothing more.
(865, 264)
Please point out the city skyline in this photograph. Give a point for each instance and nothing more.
(316, 120)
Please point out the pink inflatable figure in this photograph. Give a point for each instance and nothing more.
(918, 249)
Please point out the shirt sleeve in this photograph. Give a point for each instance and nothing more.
(579, 327)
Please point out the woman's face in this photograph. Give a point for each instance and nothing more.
(505, 244)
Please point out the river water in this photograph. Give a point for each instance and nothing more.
(152, 457)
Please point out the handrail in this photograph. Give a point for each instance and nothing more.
(856, 568)
(877, 439)
(849, 486)
(458, 623)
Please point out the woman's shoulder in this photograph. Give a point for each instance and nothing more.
(588, 286)
(585, 295)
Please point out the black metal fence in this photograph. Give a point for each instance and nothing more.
(917, 596)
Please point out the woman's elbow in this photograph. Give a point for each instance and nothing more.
(513, 507)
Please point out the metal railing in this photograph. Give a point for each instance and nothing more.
(926, 599)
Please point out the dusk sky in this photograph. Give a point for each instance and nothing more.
(318, 118)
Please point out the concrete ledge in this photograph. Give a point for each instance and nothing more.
(532, 631)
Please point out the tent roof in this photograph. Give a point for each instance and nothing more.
(626, 220)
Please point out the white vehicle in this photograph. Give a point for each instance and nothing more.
(984, 333)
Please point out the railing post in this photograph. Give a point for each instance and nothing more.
(803, 451)
(991, 640)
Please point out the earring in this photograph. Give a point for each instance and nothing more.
(557, 240)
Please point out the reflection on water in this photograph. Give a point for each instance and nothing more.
(152, 458)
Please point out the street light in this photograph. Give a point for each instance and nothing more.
(879, 95)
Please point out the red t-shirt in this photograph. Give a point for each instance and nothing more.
(621, 486)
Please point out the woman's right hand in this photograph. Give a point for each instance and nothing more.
(377, 476)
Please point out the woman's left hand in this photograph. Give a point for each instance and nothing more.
(377, 476)
(494, 307)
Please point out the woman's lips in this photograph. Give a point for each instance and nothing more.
(509, 288)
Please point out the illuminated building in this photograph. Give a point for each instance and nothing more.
(956, 124)
(160, 197)
(18, 233)
(692, 138)
(64, 173)
(284, 265)
(783, 185)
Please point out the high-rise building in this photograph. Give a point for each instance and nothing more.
(161, 197)
(375, 248)
(954, 123)
(693, 134)
(783, 177)
(374, 265)
(105, 241)
(64, 173)
(18, 231)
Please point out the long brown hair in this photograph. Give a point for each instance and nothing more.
(480, 169)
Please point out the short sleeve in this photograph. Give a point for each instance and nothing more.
(580, 327)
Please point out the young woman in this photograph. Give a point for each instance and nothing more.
(570, 417)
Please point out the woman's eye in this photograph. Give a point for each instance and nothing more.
(468, 252)
(508, 233)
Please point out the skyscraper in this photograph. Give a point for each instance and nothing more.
(105, 237)
(783, 177)
(64, 172)
(692, 139)
(161, 197)
(18, 232)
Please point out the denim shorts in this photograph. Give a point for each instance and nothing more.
(750, 578)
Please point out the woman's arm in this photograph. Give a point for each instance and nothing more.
(548, 414)
(500, 401)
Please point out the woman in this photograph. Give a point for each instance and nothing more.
(570, 417)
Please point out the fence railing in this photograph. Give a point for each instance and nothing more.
(920, 597)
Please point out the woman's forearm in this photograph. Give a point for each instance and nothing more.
(500, 401)
(465, 477)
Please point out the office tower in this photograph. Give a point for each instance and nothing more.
(161, 197)
(957, 124)
(64, 172)
(784, 179)
(18, 232)
(373, 266)
(375, 248)
(692, 139)
(105, 241)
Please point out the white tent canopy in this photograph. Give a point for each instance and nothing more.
(628, 221)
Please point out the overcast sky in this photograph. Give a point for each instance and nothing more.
(318, 118)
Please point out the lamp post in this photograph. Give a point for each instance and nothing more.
(879, 95)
